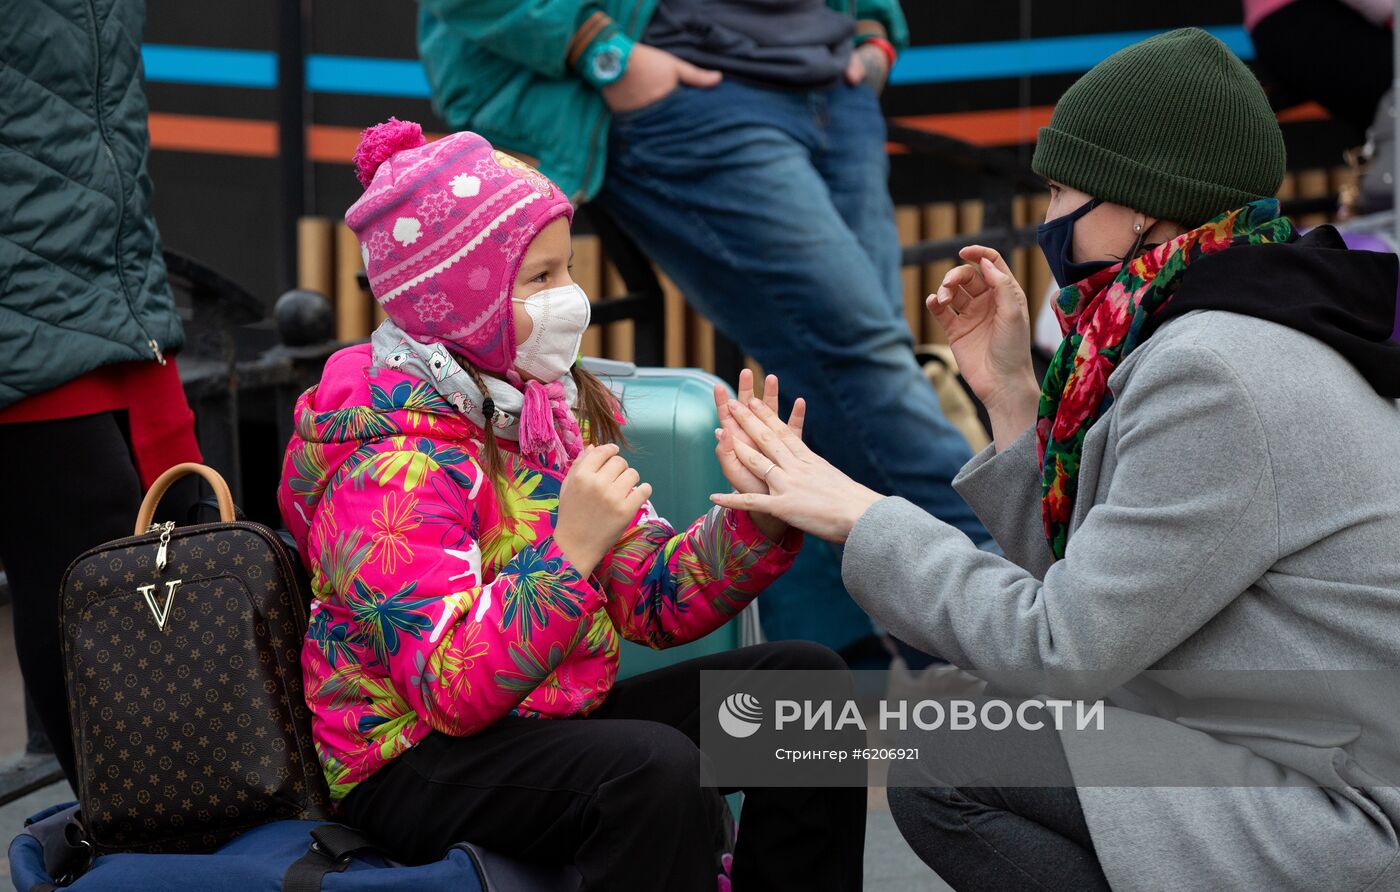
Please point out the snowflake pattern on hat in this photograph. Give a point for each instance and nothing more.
(379, 245)
(433, 307)
(515, 242)
(488, 169)
(435, 208)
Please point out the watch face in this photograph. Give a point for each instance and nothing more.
(607, 63)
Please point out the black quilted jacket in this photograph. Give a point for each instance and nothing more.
(82, 283)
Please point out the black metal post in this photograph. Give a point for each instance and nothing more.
(292, 32)
(729, 360)
(643, 303)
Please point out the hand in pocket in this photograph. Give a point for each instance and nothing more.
(651, 76)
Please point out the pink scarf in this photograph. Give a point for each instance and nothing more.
(547, 423)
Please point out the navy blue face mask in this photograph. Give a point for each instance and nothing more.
(1056, 239)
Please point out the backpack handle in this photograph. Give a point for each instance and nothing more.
(163, 483)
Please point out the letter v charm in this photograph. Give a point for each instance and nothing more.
(161, 614)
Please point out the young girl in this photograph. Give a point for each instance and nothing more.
(477, 544)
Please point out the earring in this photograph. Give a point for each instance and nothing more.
(1137, 227)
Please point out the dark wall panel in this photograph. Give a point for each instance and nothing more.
(221, 210)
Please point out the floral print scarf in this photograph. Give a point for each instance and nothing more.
(1103, 318)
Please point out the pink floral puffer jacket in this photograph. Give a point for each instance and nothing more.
(441, 601)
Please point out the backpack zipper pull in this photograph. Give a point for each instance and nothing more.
(161, 558)
(155, 348)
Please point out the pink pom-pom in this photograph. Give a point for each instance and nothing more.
(379, 143)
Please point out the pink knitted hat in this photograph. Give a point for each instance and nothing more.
(443, 227)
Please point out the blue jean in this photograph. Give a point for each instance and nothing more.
(770, 209)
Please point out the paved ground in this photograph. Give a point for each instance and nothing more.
(889, 864)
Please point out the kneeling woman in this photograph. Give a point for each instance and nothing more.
(1207, 479)
(474, 561)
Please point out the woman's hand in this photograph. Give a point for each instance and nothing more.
(803, 488)
(598, 499)
(983, 309)
(739, 476)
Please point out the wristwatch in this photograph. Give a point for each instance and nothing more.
(605, 60)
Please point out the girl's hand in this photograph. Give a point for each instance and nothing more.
(803, 488)
(599, 498)
(983, 309)
(740, 477)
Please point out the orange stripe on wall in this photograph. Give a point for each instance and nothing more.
(256, 139)
(220, 136)
(999, 127)
(334, 144)
(1308, 111)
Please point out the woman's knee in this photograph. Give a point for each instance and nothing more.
(925, 817)
(913, 806)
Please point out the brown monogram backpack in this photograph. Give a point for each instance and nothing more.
(182, 650)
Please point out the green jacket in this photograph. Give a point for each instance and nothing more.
(82, 282)
(508, 69)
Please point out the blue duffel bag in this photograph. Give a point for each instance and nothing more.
(284, 856)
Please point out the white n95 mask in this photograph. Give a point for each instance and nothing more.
(560, 316)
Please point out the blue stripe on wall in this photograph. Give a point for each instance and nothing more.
(368, 76)
(209, 66)
(1045, 55)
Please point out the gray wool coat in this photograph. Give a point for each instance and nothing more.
(1239, 508)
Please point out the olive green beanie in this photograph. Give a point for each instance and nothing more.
(1175, 127)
